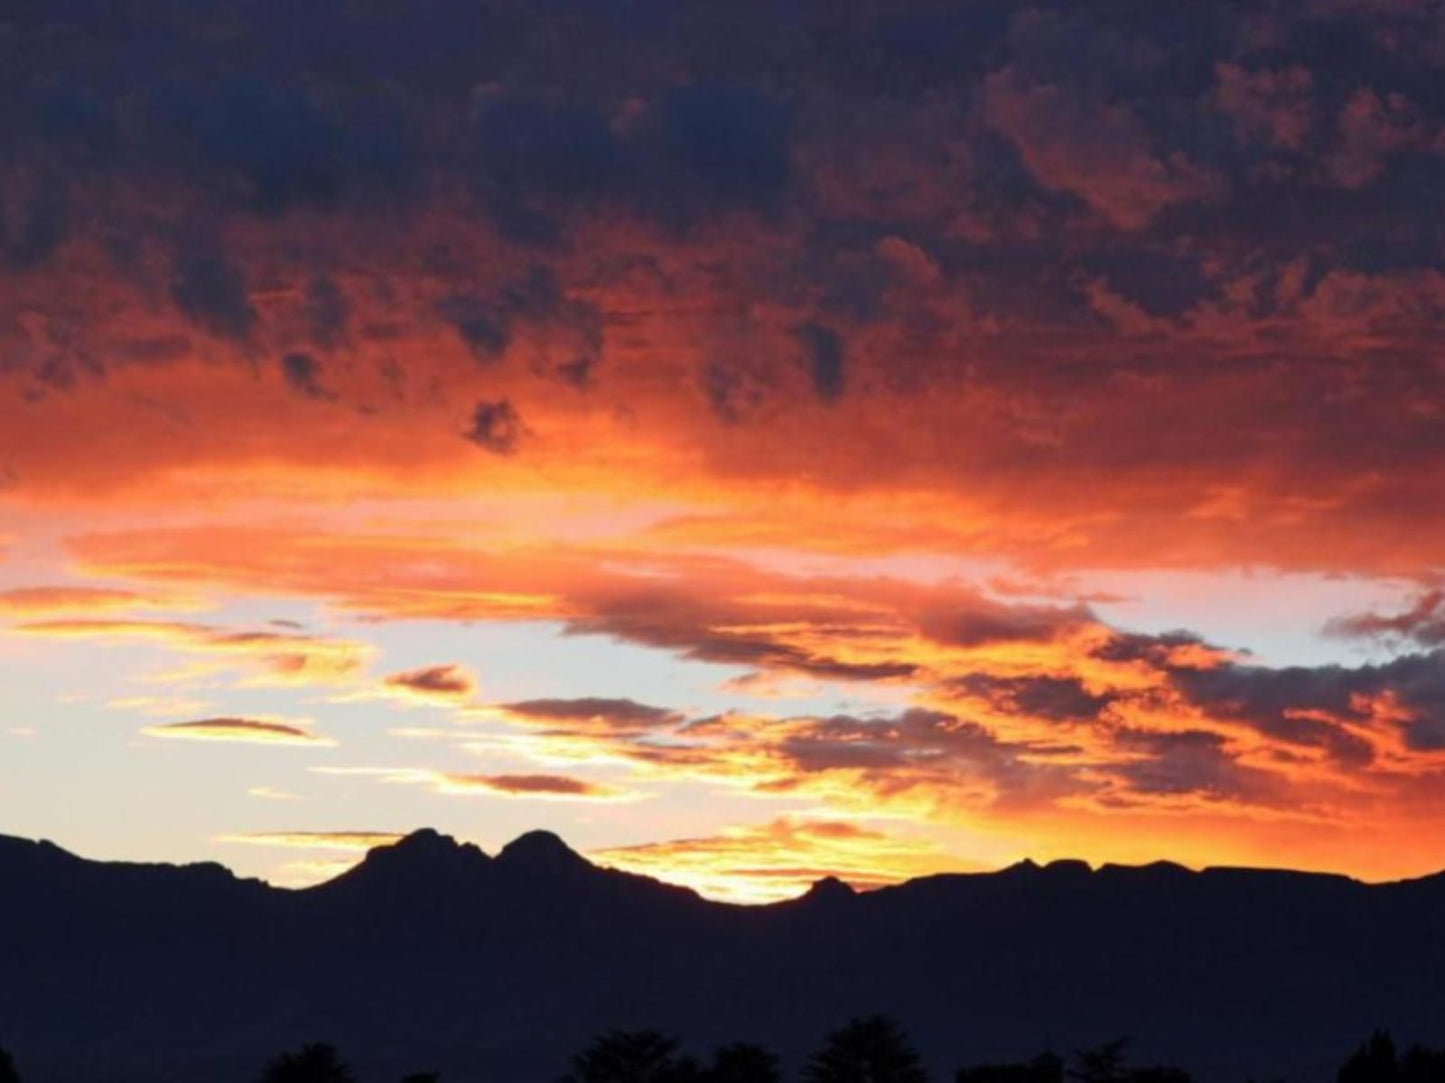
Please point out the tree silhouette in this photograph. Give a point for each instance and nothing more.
(1102, 1064)
(1378, 1061)
(871, 1050)
(1374, 1062)
(1105, 1064)
(316, 1063)
(1421, 1065)
(743, 1062)
(635, 1056)
(8, 1074)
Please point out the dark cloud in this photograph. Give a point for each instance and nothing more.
(566, 333)
(1057, 699)
(825, 360)
(1192, 762)
(243, 730)
(269, 144)
(1162, 283)
(1099, 151)
(742, 650)
(327, 312)
(733, 390)
(303, 374)
(531, 785)
(496, 427)
(34, 227)
(913, 50)
(445, 682)
(1070, 243)
(534, 154)
(1310, 706)
(690, 153)
(478, 325)
(1157, 650)
(570, 328)
(211, 292)
(731, 145)
(1422, 624)
(982, 622)
(925, 748)
(614, 715)
(609, 102)
(658, 619)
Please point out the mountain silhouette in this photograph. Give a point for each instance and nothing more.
(495, 967)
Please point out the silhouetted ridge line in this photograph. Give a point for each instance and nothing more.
(830, 889)
(428, 849)
(431, 952)
(540, 852)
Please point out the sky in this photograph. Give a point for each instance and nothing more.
(754, 440)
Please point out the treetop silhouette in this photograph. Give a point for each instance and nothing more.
(631, 1056)
(867, 1050)
(744, 1062)
(1378, 1061)
(316, 1063)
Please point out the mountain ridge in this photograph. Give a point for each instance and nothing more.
(535, 847)
(431, 951)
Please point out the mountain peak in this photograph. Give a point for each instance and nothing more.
(427, 853)
(427, 839)
(540, 851)
(830, 889)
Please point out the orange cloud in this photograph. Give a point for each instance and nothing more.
(1096, 150)
(29, 602)
(448, 683)
(551, 787)
(1024, 319)
(998, 707)
(361, 841)
(715, 366)
(590, 715)
(280, 658)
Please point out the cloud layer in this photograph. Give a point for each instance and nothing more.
(826, 349)
(1109, 280)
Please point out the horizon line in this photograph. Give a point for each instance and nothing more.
(823, 877)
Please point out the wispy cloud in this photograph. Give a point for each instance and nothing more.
(241, 730)
(347, 841)
(45, 601)
(273, 657)
(271, 793)
(544, 787)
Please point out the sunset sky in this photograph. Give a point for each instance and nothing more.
(754, 439)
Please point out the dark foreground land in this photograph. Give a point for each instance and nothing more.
(433, 955)
(872, 1050)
